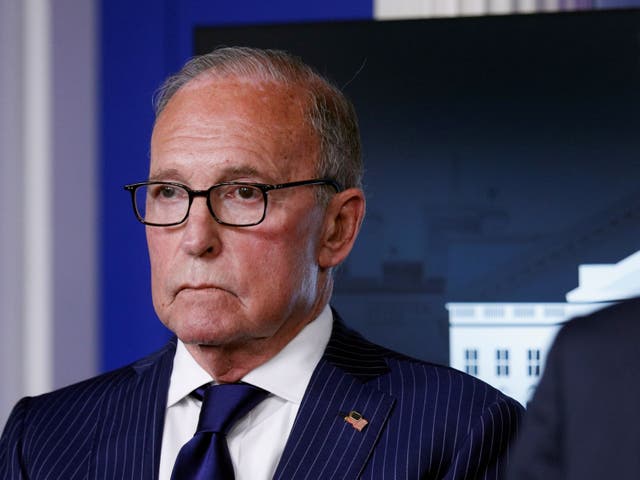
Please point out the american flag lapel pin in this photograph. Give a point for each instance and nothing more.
(356, 420)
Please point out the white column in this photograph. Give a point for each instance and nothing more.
(37, 348)
(473, 7)
(442, 8)
(526, 6)
(48, 311)
(500, 6)
(397, 9)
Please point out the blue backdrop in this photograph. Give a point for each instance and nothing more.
(501, 153)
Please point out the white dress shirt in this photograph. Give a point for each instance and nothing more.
(256, 441)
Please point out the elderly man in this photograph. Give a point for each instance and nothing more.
(253, 198)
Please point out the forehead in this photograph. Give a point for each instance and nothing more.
(264, 120)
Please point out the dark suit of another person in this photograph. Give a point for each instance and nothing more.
(584, 420)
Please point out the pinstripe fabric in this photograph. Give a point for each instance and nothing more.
(106, 428)
(425, 421)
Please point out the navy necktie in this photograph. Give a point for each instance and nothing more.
(206, 455)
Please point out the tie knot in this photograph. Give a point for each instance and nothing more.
(223, 405)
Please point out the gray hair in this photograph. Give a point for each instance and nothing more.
(330, 114)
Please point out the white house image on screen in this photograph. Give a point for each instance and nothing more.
(506, 344)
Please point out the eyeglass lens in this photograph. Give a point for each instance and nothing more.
(165, 204)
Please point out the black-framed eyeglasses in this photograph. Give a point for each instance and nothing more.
(236, 204)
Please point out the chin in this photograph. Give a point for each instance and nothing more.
(213, 339)
(197, 316)
(204, 331)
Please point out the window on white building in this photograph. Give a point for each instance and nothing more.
(471, 361)
(533, 362)
(502, 362)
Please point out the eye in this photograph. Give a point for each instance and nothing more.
(247, 193)
(238, 194)
(167, 191)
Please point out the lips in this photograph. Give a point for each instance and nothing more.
(202, 287)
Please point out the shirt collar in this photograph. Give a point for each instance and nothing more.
(186, 375)
(286, 375)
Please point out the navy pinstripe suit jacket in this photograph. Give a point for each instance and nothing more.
(425, 421)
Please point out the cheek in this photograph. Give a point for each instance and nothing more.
(280, 284)
(159, 257)
(285, 264)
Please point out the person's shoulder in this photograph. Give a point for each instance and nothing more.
(69, 419)
(614, 322)
(92, 390)
(403, 374)
(458, 385)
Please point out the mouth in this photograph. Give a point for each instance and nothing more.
(203, 288)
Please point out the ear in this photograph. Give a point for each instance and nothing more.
(342, 220)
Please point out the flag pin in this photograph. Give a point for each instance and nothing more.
(356, 420)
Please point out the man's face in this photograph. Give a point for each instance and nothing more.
(221, 285)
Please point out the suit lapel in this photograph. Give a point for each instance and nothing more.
(132, 419)
(322, 444)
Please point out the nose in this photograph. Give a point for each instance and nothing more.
(201, 231)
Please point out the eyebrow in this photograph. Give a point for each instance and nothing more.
(225, 174)
(164, 174)
(236, 171)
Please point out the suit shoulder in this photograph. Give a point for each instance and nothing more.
(421, 378)
(83, 390)
(80, 397)
(614, 324)
(66, 423)
(398, 373)
(458, 385)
